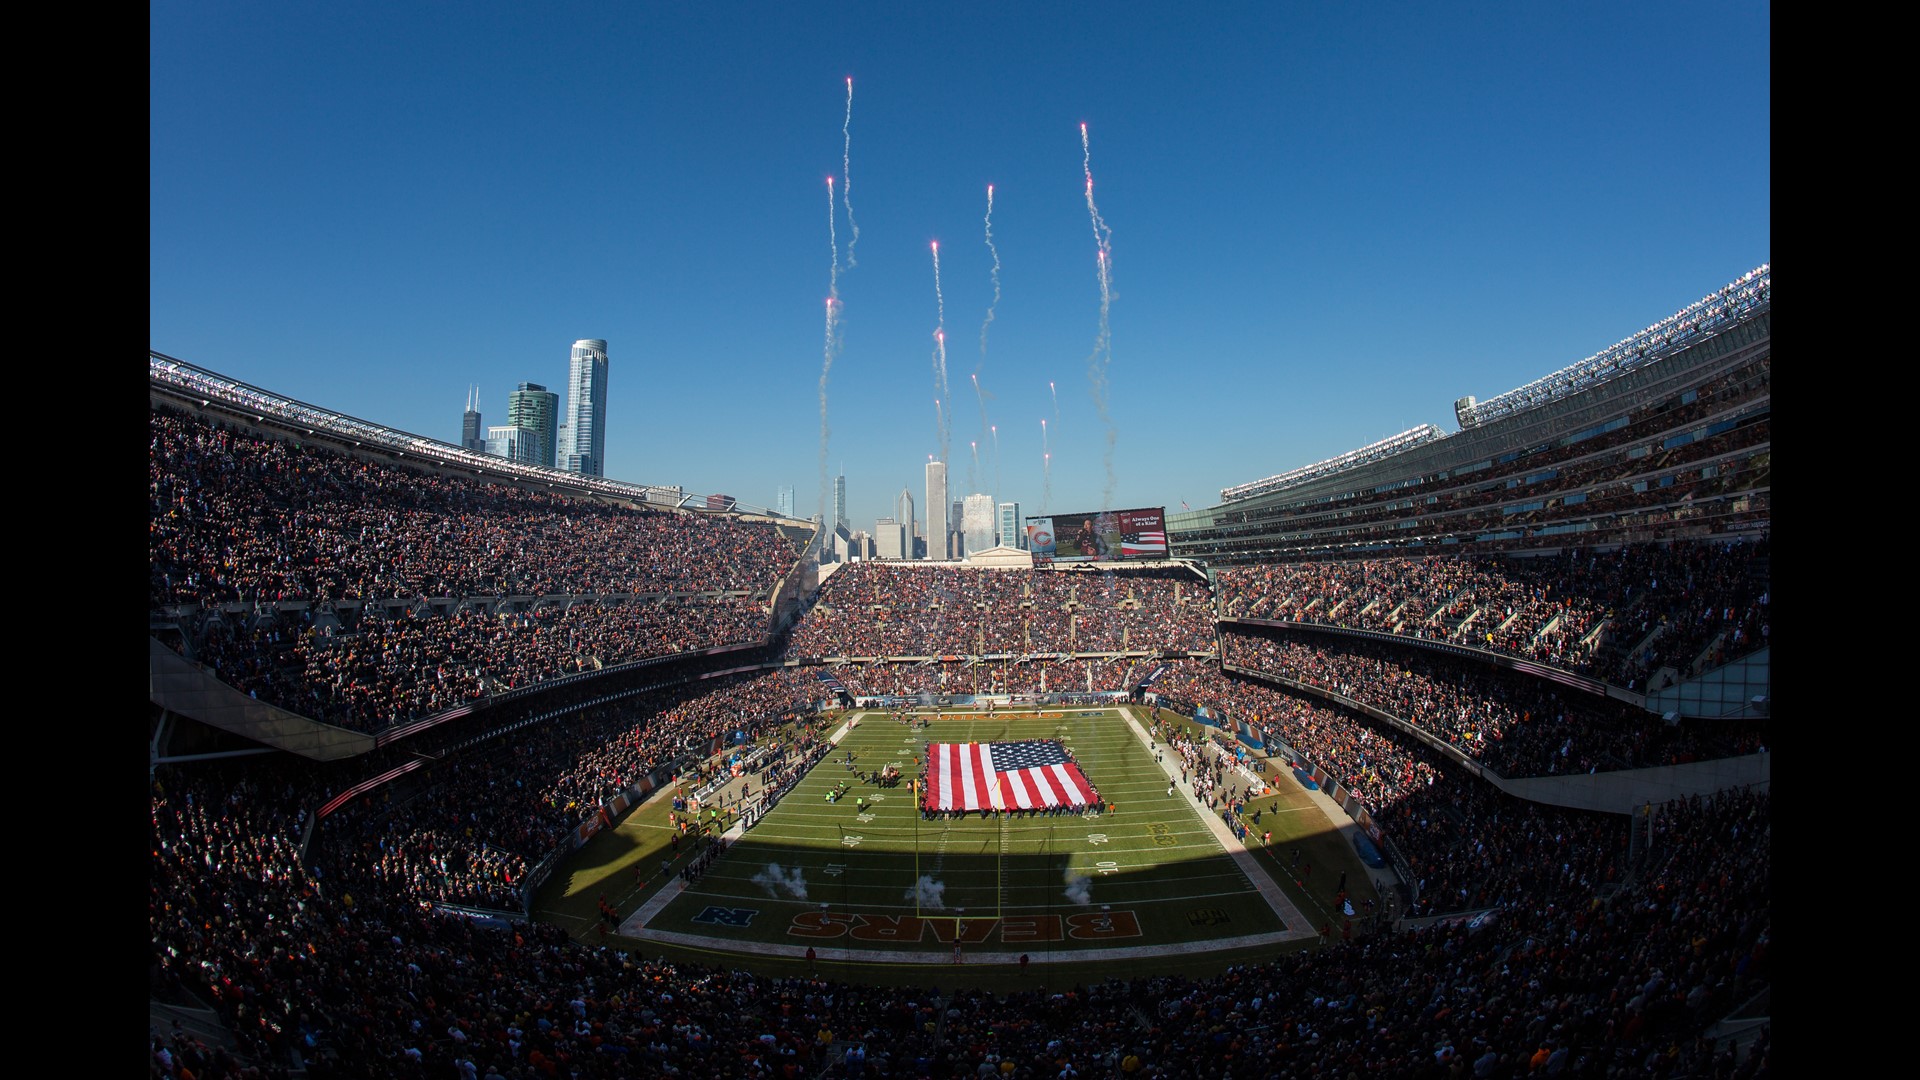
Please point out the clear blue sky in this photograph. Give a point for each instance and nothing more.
(1328, 221)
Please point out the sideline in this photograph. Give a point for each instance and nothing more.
(1282, 904)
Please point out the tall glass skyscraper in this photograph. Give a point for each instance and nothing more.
(537, 409)
(840, 500)
(1011, 535)
(587, 409)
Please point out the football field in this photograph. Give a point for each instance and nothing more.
(881, 881)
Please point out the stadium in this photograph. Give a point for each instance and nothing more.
(1444, 756)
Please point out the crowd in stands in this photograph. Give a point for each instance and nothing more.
(235, 516)
(470, 830)
(376, 667)
(1378, 768)
(1515, 724)
(882, 609)
(1616, 615)
(1696, 459)
(336, 541)
(1049, 676)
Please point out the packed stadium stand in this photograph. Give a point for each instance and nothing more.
(395, 684)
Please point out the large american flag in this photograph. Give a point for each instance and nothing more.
(1033, 774)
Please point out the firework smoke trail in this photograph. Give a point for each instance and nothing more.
(1046, 469)
(988, 321)
(945, 431)
(1102, 356)
(832, 345)
(980, 396)
(1055, 394)
(995, 428)
(973, 470)
(846, 174)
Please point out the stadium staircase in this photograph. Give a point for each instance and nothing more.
(188, 1016)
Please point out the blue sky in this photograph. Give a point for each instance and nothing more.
(1328, 221)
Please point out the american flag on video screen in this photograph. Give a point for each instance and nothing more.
(1033, 774)
(1144, 542)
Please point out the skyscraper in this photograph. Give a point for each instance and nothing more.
(978, 523)
(587, 409)
(937, 510)
(537, 409)
(511, 442)
(840, 500)
(1011, 534)
(783, 501)
(903, 516)
(472, 435)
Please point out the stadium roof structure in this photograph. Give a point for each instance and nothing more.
(1705, 318)
(1372, 452)
(1696, 322)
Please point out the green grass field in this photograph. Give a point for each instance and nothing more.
(1148, 879)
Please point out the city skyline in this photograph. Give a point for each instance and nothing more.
(1324, 226)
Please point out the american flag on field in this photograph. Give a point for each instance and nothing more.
(1145, 542)
(1033, 774)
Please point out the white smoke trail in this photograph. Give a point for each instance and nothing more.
(832, 345)
(978, 392)
(1047, 469)
(945, 431)
(1101, 358)
(846, 174)
(995, 429)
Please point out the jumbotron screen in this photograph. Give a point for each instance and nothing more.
(1103, 537)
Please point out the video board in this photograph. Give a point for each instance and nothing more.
(1107, 536)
